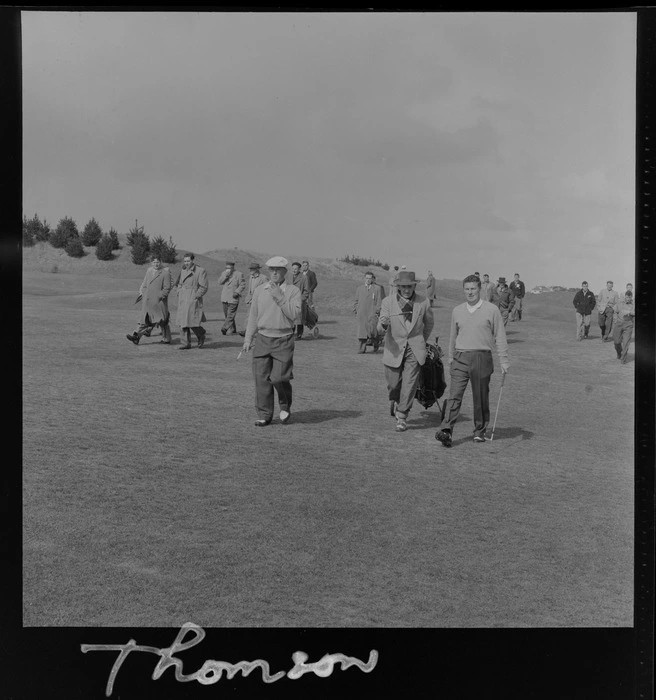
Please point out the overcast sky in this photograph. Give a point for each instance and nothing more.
(497, 142)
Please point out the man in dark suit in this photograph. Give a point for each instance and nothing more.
(584, 303)
(312, 281)
(518, 288)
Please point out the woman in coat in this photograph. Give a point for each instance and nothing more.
(153, 294)
(192, 286)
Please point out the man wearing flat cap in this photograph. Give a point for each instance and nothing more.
(503, 299)
(233, 284)
(274, 310)
(406, 318)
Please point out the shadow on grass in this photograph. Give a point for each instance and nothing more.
(322, 415)
(500, 434)
(217, 344)
(430, 418)
(321, 337)
(514, 340)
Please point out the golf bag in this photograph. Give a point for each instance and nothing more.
(311, 317)
(432, 382)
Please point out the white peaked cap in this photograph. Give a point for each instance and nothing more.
(277, 261)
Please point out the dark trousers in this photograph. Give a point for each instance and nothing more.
(622, 337)
(402, 382)
(143, 328)
(606, 322)
(475, 366)
(185, 333)
(229, 311)
(273, 362)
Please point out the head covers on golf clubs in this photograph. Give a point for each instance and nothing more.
(277, 261)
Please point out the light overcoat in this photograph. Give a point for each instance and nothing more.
(399, 334)
(234, 285)
(431, 287)
(252, 283)
(303, 283)
(155, 290)
(367, 304)
(192, 286)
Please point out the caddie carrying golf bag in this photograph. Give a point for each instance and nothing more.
(432, 382)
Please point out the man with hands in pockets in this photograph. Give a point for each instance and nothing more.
(476, 326)
(274, 312)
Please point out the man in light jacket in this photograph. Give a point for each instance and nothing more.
(233, 284)
(406, 318)
(153, 294)
(606, 301)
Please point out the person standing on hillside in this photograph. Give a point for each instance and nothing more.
(487, 288)
(503, 299)
(192, 286)
(153, 294)
(606, 301)
(270, 331)
(406, 318)
(518, 289)
(431, 287)
(584, 302)
(476, 326)
(312, 281)
(368, 300)
(233, 284)
(302, 282)
(623, 329)
(393, 278)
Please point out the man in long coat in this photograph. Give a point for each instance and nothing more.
(431, 287)
(233, 284)
(192, 287)
(153, 294)
(368, 300)
(407, 320)
(487, 288)
(301, 281)
(503, 299)
(606, 301)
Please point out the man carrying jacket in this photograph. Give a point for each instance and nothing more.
(584, 302)
(406, 318)
(503, 299)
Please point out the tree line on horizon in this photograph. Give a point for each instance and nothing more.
(67, 236)
(363, 262)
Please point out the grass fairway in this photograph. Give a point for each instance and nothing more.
(150, 499)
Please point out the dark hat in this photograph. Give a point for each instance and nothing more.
(230, 262)
(254, 266)
(502, 280)
(406, 277)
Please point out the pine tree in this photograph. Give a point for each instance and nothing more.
(92, 233)
(157, 246)
(66, 229)
(169, 253)
(43, 232)
(115, 242)
(105, 247)
(140, 250)
(28, 235)
(74, 247)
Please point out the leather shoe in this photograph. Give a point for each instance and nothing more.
(285, 416)
(260, 423)
(134, 338)
(444, 436)
(185, 347)
(223, 330)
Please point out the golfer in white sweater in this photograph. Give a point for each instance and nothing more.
(476, 326)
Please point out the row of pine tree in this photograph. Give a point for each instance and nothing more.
(67, 236)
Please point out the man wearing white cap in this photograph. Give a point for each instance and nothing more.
(274, 309)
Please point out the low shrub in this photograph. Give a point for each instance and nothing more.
(104, 248)
(74, 248)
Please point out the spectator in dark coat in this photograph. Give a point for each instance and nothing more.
(503, 299)
(584, 302)
(301, 281)
(518, 288)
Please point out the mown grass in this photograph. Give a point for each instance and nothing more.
(150, 499)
